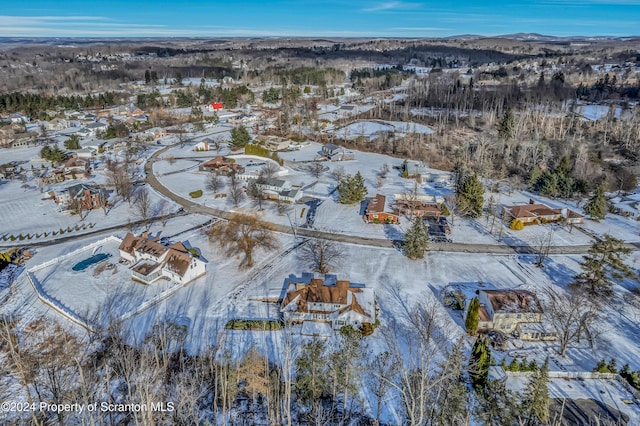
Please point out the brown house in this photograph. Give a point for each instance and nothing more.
(89, 197)
(540, 213)
(376, 213)
(221, 166)
(532, 213)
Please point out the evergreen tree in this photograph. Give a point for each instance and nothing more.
(352, 190)
(603, 265)
(535, 404)
(597, 205)
(507, 126)
(472, 196)
(147, 77)
(459, 176)
(479, 362)
(534, 177)
(239, 136)
(311, 371)
(471, 322)
(416, 239)
(548, 184)
(73, 142)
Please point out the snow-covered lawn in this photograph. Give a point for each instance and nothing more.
(28, 211)
(373, 129)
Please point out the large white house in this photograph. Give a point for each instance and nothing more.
(279, 189)
(337, 303)
(151, 260)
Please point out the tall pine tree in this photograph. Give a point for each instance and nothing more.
(507, 126)
(472, 196)
(471, 321)
(416, 239)
(602, 266)
(597, 205)
(535, 404)
(479, 362)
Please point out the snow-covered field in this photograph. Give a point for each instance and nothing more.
(28, 211)
(373, 129)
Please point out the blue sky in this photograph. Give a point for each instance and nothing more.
(317, 18)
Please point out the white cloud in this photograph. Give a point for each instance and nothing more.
(392, 6)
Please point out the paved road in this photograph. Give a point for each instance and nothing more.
(192, 207)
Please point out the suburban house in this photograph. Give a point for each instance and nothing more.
(278, 189)
(418, 205)
(90, 197)
(336, 153)
(156, 132)
(19, 118)
(274, 143)
(96, 127)
(375, 212)
(215, 106)
(150, 260)
(510, 311)
(77, 166)
(627, 206)
(58, 124)
(201, 146)
(221, 166)
(330, 301)
(415, 169)
(21, 140)
(540, 213)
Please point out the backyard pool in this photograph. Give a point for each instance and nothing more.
(97, 258)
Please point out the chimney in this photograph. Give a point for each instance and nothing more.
(343, 284)
(145, 235)
(531, 201)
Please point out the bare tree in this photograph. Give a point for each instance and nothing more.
(162, 209)
(77, 207)
(381, 374)
(236, 193)
(571, 315)
(243, 234)
(214, 183)
(316, 169)
(143, 206)
(256, 191)
(542, 245)
(384, 171)
(269, 170)
(119, 177)
(338, 173)
(322, 255)
(103, 199)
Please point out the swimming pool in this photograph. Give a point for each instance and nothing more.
(81, 266)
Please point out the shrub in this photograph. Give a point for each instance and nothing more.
(240, 324)
(366, 329)
(20, 237)
(196, 194)
(516, 225)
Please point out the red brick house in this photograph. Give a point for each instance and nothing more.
(376, 213)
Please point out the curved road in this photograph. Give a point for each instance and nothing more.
(192, 207)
